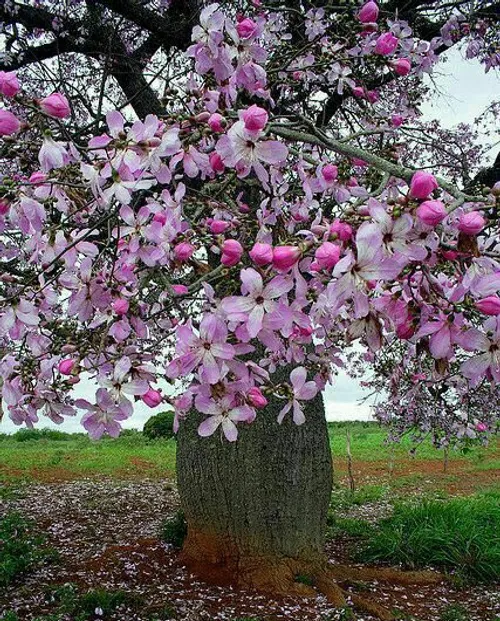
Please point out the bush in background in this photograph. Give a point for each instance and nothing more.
(159, 426)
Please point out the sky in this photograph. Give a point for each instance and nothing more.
(465, 92)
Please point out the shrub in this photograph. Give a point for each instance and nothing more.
(27, 435)
(21, 547)
(174, 530)
(159, 426)
(461, 534)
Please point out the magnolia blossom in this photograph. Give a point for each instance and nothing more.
(102, 417)
(259, 300)
(245, 150)
(9, 123)
(302, 391)
(486, 363)
(56, 105)
(223, 413)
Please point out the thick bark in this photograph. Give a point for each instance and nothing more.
(256, 509)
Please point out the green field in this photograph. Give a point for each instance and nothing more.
(55, 456)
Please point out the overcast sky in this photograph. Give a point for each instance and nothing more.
(466, 91)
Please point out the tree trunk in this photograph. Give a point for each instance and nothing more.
(256, 509)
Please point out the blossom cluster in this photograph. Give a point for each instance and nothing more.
(216, 245)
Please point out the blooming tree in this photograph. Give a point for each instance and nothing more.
(280, 203)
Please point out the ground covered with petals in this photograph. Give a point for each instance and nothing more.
(105, 533)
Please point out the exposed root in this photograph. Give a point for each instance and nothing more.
(302, 577)
(345, 573)
(367, 605)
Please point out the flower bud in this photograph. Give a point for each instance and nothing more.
(180, 289)
(341, 229)
(152, 398)
(9, 124)
(330, 173)
(9, 85)
(219, 226)
(422, 184)
(358, 91)
(246, 28)
(66, 366)
(285, 257)
(56, 105)
(232, 252)
(402, 66)
(327, 255)
(216, 123)
(120, 306)
(489, 305)
(471, 223)
(368, 13)
(261, 254)
(386, 44)
(256, 398)
(431, 212)
(481, 427)
(183, 251)
(255, 118)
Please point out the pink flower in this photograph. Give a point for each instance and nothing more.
(471, 223)
(422, 184)
(486, 363)
(9, 85)
(216, 162)
(285, 257)
(402, 66)
(368, 13)
(431, 212)
(180, 289)
(66, 366)
(183, 251)
(341, 229)
(397, 120)
(217, 122)
(120, 306)
(56, 105)
(260, 300)
(358, 91)
(206, 352)
(232, 251)
(327, 255)
(330, 173)
(261, 254)
(104, 416)
(152, 398)
(219, 226)
(386, 44)
(481, 427)
(9, 124)
(223, 413)
(246, 28)
(489, 305)
(302, 391)
(255, 118)
(256, 398)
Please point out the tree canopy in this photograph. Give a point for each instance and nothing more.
(209, 192)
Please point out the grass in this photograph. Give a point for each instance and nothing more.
(459, 534)
(50, 455)
(21, 548)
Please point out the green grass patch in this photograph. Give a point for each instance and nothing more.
(343, 498)
(352, 527)
(460, 535)
(21, 548)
